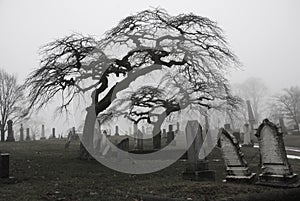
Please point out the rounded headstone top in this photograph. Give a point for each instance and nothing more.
(10, 121)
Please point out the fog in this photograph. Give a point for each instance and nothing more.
(263, 34)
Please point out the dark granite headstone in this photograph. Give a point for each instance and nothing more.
(196, 169)
(276, 170)
(10, 132)
(27, 134)
(236, 167)
(4, 169)
(117, 131)
(21, 133)
(170, 134)
(43, 133)
(53, 133)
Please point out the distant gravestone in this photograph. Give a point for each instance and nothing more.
(236, 167)
(164, 133)
(10, 132)
(124, 144)
(117, 131)
(251, 119)
(43, 133)
(276, 170)
(282, 126)
(21, 133)
(247, 142)
(53, 133)
(170, 134)
(196, 169)
(157, 140)
(27, 134)
(140, 141)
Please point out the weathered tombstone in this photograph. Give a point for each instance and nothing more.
(117, 131)
(124, 144)
(236, 167)
(247, 137)
(170, 134)
(4, 169)
(157, 140)
(21, 133)
(43, 133)
(27, 134)
(53, 133)
(10, 132)
(276, 170)
(196, 169)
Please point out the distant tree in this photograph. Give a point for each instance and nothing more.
(189, 51)
(289, 104)
(255, 90)
(11, 97)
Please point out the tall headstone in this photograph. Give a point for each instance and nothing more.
(21, 133)
(251, 119)
(117, 131)
(27, 134)
(43, 133)
(236, 167)
(196, 169)
(53, 133)
(170, 134)
(10, 132)
(276, 170)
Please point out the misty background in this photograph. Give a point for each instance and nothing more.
(263, 34)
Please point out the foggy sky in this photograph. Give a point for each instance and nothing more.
(264, 34)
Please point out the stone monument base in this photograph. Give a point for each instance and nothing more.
(288, 181)
(240, 179)
(202, 175)
(9, 180)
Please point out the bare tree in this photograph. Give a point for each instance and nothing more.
(289, 104)
(188, 47)
(11, 96)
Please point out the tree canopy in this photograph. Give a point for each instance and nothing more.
(188, 55)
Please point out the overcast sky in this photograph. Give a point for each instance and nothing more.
(264, 34)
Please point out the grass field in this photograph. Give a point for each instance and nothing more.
(46, 171)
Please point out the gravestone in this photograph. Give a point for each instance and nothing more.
(4, 169)
(124, 144)
(170, 134)
(196, 169)
(282, 126)
(21, 133)
(53, 133)
(236, 167)
(10, 132)
(276, 170)
(27, 134)
(164, 133)
(140, 141)
(117, 131)
(251, 119)
(157, 140)
(247, 142)
(43, 133)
